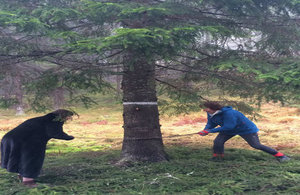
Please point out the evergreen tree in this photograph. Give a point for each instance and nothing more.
(246, 48)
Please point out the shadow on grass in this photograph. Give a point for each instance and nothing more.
(189, 171)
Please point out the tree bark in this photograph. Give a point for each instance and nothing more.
(18, 92)
(118, 81)
(58, 98)
(142, 136)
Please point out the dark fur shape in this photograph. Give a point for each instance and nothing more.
(23, 148)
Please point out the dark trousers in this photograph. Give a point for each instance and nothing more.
(252, 139)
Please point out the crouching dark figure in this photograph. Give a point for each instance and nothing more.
(23, 148)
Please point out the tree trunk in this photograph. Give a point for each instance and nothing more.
(58, 98)
(19, 92)
(118, 81)
(142, 135)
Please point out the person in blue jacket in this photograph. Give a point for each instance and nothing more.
(228, 123)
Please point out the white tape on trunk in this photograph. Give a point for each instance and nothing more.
(139, 103)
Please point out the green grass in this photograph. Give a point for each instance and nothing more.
(189, 171)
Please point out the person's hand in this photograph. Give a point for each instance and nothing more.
(204, 132)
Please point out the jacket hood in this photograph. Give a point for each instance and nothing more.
(226, 108)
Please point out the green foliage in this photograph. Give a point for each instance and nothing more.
(5, 16)
(275, 83)
(196, 32)
(28, 24)
(99, 12)
(149, 12)
(77, 86)
(54, 15)
(7, 103)
(286, 80)
(22, 21)
(174, 102)
(150, 42)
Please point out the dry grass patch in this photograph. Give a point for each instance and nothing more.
(102, 126)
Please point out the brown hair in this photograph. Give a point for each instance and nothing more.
(213, 105)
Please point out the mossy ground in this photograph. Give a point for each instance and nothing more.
(189, 171)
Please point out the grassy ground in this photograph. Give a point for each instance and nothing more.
(86, 165)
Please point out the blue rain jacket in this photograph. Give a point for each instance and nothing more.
(230, 122)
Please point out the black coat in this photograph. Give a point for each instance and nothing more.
(23, 148)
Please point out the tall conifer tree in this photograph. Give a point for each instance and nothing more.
(247, 48)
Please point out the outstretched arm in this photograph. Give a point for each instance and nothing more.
(55, 130)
